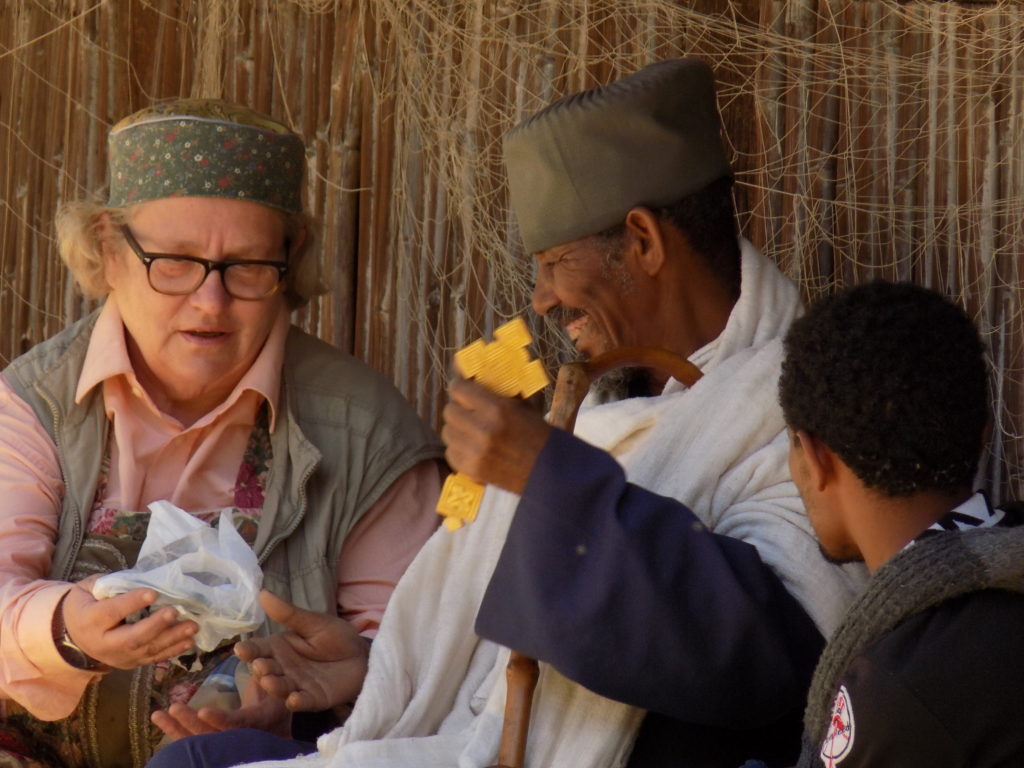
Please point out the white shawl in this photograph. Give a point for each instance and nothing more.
(435, 692)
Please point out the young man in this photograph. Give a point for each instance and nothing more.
(884, 391)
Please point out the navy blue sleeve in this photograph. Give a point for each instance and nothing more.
(628, 594)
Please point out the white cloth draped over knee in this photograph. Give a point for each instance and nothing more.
(435, 692)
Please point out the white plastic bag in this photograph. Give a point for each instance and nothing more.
(211, 576)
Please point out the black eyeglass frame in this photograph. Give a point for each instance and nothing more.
(208, 266)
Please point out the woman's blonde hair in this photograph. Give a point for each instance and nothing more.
(80, 243)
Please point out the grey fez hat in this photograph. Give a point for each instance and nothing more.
(577, 167)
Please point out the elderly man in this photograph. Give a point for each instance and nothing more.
(623, 196)
(884, 388)
(709, 616)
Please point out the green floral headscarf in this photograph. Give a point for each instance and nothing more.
(205, 148)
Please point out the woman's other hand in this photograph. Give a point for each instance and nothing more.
(97, 627)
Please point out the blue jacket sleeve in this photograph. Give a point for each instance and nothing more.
(628, 594)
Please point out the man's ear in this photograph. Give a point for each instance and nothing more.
(818, 458)
(644, 228)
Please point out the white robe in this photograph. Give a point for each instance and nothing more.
(434, 694)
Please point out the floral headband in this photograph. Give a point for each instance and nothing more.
(205, 148)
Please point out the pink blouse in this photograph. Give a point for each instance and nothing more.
(154, 457)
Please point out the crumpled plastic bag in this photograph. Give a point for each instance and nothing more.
(210, 576)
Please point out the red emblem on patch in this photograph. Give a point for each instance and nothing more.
(839, 737)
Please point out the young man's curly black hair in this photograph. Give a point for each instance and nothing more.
(892, 378)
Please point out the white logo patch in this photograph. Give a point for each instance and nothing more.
(839, 737)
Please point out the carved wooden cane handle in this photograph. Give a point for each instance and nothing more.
(571, 387)
(574, 379)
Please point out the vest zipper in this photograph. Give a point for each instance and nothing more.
(272, 544)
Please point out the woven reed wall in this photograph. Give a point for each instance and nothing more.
(870, 139)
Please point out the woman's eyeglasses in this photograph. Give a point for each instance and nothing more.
(176, 275)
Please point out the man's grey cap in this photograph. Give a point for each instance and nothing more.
(579, 165)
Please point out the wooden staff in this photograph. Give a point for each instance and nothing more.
(571, 386)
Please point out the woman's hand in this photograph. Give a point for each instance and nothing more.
(98, 628)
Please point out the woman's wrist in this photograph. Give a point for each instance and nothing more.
(68, 649)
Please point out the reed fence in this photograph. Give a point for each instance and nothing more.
(871, 138)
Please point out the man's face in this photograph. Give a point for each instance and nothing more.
(588, 290)
(833, 539)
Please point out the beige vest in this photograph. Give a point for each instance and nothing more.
(343, 435)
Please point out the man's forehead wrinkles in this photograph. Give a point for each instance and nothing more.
(559, 251)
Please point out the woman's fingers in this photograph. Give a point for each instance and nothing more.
(155, 638)
(98, 627)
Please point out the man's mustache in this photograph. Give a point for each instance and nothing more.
(562, 316)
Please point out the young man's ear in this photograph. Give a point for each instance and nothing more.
(818, 459)
(644, 233)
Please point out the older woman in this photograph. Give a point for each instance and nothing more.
(190, 385)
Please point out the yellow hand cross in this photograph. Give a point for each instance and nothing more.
(504, 367)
